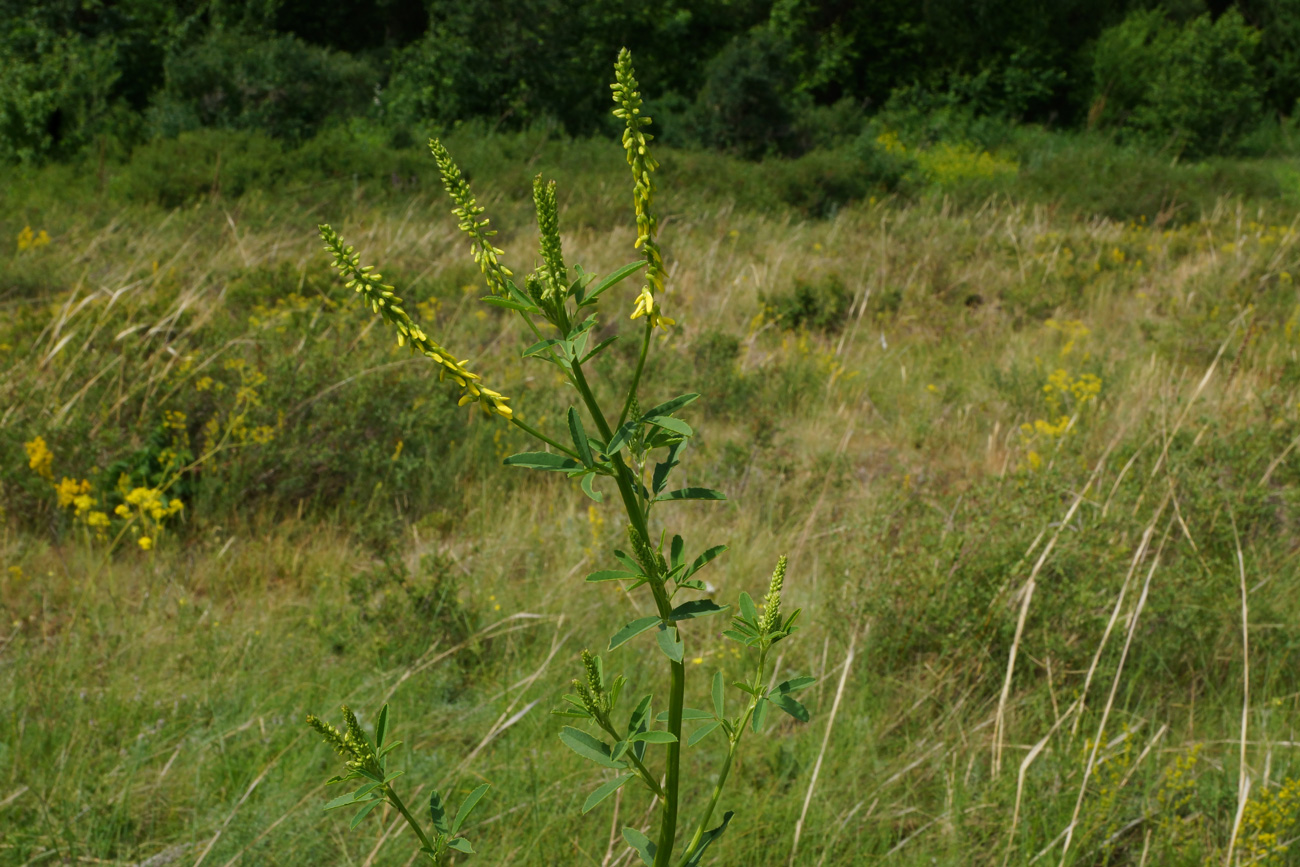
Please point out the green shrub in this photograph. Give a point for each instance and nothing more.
(173, 171)
(749, 102)
(820, 303)
(280, 86)
(1194, 89)
(55, 92)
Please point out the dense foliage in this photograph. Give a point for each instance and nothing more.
(749, 76)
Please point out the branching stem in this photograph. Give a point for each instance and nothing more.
(406, 814)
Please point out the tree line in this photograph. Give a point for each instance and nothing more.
(754, 77)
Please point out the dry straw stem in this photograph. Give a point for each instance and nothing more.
(1110, 700)
(1114, 614)
(1027, 595)
(821, 754)
(1243, 779)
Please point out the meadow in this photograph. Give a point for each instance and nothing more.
(1026, 426)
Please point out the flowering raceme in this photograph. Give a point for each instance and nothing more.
(381, 299)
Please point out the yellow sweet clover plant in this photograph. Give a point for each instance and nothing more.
(637, 450)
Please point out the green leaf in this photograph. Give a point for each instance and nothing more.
(641, 843)
(438, 813)
(588, 747)
(632, 630)
(702, 732)
(612, 575)
(627, 561)
(605, 791)
(596, 350)
(621, 436)
(704, 559)
(587, 480)
(654, 737)
(636, 722)
(696, 608)
(795, 684)
(361, 814)
(542, 461)
(467, 806)
(579, 437)
(344, 800)
(691, 494)
(542, 345)
(747, 607)
(388, 749)
(497, 301)
(460, 844)
(760, 714)
(669, 423)
(671, 644)
(612, 280)
(719, 696)
(660, 479)
(381, 726)
(671, 406)
(709, 837)
(790, 705)
(675, 551)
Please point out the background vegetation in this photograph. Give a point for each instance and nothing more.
(1028, 275)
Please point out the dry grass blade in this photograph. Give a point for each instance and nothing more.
(830, 724)
(1243, 779)
(1027, 596)
(1114, 614)
(1110, 700)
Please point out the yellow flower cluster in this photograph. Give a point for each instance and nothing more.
(383, 301)
(150, 502)
(1174, 799)
(1079, 390)
(68, 492)
(76, 495)
(1266, 817)
(40, 458)
(629, 103)
(1109, 775)
(467, 212)
(29, 240)
(948, 163)
(281, 313)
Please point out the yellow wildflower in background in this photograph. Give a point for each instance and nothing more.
(29, 240)
(145, 543)
(40, 458)
(67, 491)
(1267, 821)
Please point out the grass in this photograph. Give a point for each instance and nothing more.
(154, 700)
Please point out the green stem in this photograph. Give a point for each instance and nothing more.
(717, 793)
(406, 814)
(677, 685)
(646, 777)
(733, 747)
(668, 825)
(636, 377)
(527, 428)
